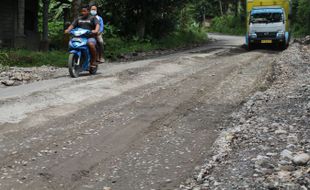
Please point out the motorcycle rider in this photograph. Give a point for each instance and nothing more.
(91, 23)
(94, 12)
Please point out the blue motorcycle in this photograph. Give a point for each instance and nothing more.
(79, 58)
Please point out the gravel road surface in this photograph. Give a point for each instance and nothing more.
(136, 125)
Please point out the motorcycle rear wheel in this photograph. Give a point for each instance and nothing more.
(74, 69)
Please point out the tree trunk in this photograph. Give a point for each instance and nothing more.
(75, 9)
(141, 28)
(243, 11)
(141, 24)
(221, 7)
(204, 16)
(236, 7)
(66, 17)
(45, 43)
(243, 5)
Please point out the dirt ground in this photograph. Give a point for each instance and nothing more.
(138, 125)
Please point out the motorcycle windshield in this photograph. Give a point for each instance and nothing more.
(80, 32)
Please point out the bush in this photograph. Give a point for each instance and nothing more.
(193, 35)
(301, 27)
(117, 46)
(228, 24)
(114, 49)
(56, 35)
(110, 31)
(26, 58)
(4, 57)
(162, 27)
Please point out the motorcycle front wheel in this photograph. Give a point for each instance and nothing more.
(73, 65)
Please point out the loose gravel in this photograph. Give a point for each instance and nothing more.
(267, 146)
(14, 76)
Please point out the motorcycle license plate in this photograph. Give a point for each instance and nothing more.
(266, 41)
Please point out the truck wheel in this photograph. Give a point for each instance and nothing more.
(283, 46)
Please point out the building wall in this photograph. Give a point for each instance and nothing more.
(31, 15)
(31, 24)
(7, 22)
(19, 26)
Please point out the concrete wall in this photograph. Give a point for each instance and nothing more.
(7, 22)
(19, 24)
(31, 24)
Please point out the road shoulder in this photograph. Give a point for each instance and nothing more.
(267, 144)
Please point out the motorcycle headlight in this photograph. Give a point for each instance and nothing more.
(280, 34)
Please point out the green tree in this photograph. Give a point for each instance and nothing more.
(45, 43)
(303, 16)
(139, 17)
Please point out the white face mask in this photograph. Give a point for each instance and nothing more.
(93, 12)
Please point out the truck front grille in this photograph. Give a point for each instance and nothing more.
(266, 34)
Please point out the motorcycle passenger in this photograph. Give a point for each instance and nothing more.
(85, 21)
(94, 12)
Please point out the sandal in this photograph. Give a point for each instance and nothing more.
(101, 60)
(93, 66)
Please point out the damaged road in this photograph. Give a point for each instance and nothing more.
(266, 144)
(137, 125)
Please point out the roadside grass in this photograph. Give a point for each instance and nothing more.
(27, 58)
(115, 47)
(184, 38)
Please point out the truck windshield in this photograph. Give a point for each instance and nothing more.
(266, 17)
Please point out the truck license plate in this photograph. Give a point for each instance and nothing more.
(266, 41)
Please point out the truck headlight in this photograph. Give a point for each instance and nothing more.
(253, 35)
(280, 34)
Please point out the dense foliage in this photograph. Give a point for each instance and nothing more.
(133, 22)
(232, 19)
(146, 25)
(156, 19)
(228, 24)
(301, 17)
